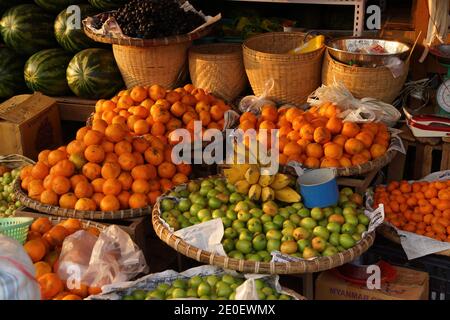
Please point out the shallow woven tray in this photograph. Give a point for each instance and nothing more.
(304, 266)
(84, 223)
(136, 42)
(71, 213)
(389, 233)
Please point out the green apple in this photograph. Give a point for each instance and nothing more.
(322, 232)
(317, 214)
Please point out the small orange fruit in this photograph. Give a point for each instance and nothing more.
(39, 171)
(36, 249)
(329, 163)
(85, 204)
(115, 133)
(353, 146)
(49, 197)
(322, 135)
(166, 170)
(350, 129)
(94, 153)
(333, 150)
(377, 150)
(110, 170)
(314, 150)
(61, 185)
(109, 203)
(127, 161)
(112, 187)
(334, 125)
(91, 170)
(138, 200)
(83, 190)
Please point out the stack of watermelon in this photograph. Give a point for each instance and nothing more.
(43, 47)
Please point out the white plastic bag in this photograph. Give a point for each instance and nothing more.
(355, 110)
(113, 257)
(17, 273)
(254, 104)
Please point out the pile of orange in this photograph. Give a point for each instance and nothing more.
(43, 245)
(318, 138)
(420, 207)
(124, 160)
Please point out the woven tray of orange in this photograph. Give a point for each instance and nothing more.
(319, 138)
(304, 266)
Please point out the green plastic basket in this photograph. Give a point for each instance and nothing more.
(16, 228)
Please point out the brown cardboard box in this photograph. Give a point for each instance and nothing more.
(409, 285)
(29, 124)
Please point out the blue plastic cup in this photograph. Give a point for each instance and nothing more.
(319, 188)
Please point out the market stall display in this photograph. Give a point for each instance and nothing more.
(11, 73)
(204, 282)
(122, 162)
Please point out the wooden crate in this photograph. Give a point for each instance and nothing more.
(425, 155)
(75, 109)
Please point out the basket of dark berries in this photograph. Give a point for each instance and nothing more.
(151, 38)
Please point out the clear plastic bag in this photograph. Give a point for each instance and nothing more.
(355, 110)
(254, 104)
(112, 257)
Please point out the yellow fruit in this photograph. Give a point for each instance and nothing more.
(288, 195)
(267, 194)
(252, 175)
(280, 181)
(242, 186)
(265, 180)
(255, 192)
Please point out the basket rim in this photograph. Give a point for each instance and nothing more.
(391, 234)
(252, 266)
(22, 222)
(198, 49)
(342, 65)
(72, 213)
(249, 50)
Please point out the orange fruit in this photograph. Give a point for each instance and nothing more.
(36, 249)
(314, 150)
(312, 163)
(72, 225)
(83, 190)
(153, 196)
(140, 186)
(50, 285)
(41, 225)
(158, 128)
(85, 204)
(166, 184)
(115, 133)
(111, 157)
(137, 200)
(166, 170)
(250, 116)
(97, 184)
(76, 147)
(173, 124)
(178, 109)
(372, 127)
(111, 170)
(145, 172)
(56, 235)
(345, 162)
(112, 187)
(366, 138)
(64, 168)
(333, 150)
(154, 156)
(293, 135)
(91, 170)
(26, 171)
(43, 156)
(42, 268)
(109, 203)
(123, 198)
(377, 150)
(138, 158)
(353, 146)
(61, 185)
(292, 148)
(97, 197)
(99, 125)
(269, 113)
(81, 133)
(93, 137)
(322, 135)
(179, 178)
(350, 129)
(307, 132)
(126, 161)
(267, 125)
(246, 125)
(35, 188)
(107, 146)
(140, 144)
(358, 159)
(94, 153)
(334, 125)
(329, 163)
(49, 197)
(184, 168)
(138, 94)
(71, 297)
(39, 171)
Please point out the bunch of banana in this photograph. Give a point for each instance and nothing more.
(250, 180)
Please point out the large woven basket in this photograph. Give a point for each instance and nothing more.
(71, 213)
(218, 67)
(304, 266)
(362, 82)
(389, 233)
(295, 76)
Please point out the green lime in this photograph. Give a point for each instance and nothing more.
(243, 215)
(155, 294)
(128, 297)
(236, 255)
(191, 293)
(180, 283)
(195, 208)
(214, 203)
(322, 232)
(256, 212)
(304, 213)
(334, 239)
(259, 242)
(184, 205)
(302, 244)
(178, 293)
(194, 281)
(204, 289)
(228, 245)
(218, 213)
(245, 235)
(274, 234)
(254, 225)
(308, 223)
(203, 213)
(230, 233)
(267, 226)
(346, 240)
(139, 294)
(238, 225)
(278, 220)
(295, 218)
(266, 218)
(167, 204)
(348, 228)
(363, 219)
(212, 193)
(163, 287)
(273, 245)
(226, 222)
(244, 246)
(231, 215)
(259, 284)
(317, 214)
(235, 197)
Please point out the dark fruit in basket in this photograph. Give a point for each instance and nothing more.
(155, 19)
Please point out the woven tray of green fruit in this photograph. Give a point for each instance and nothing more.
(9, 171)
(204, 282)
(225, 222)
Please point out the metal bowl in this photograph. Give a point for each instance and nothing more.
(346, 50)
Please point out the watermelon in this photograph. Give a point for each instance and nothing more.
(56, 6)
(93, 74)
(45, 72)
(11, 73)
(27, 29)
(107, 4)
(70, 37)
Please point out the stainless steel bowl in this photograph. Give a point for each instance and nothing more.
(346, 50)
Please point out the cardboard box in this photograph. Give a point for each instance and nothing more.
(29, 124)
(409, 285)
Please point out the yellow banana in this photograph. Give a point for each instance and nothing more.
(280, 181)
(252, 175)
(265, 180)
(288, 195)
(255, 192)
(267, 194)
(242, 186)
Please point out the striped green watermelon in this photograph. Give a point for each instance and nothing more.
(93, 74)
(45, 72)
(27, 29)
(69, 36)
(56, 5)
(11, 73)
(107, 4)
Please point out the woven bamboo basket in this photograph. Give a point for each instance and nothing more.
(389, 233)
(71, 213)
(295, 76)
(218, 67)
(14, 161)
(84, 223)
(362, 82)
(304, 266)
(160, 61)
